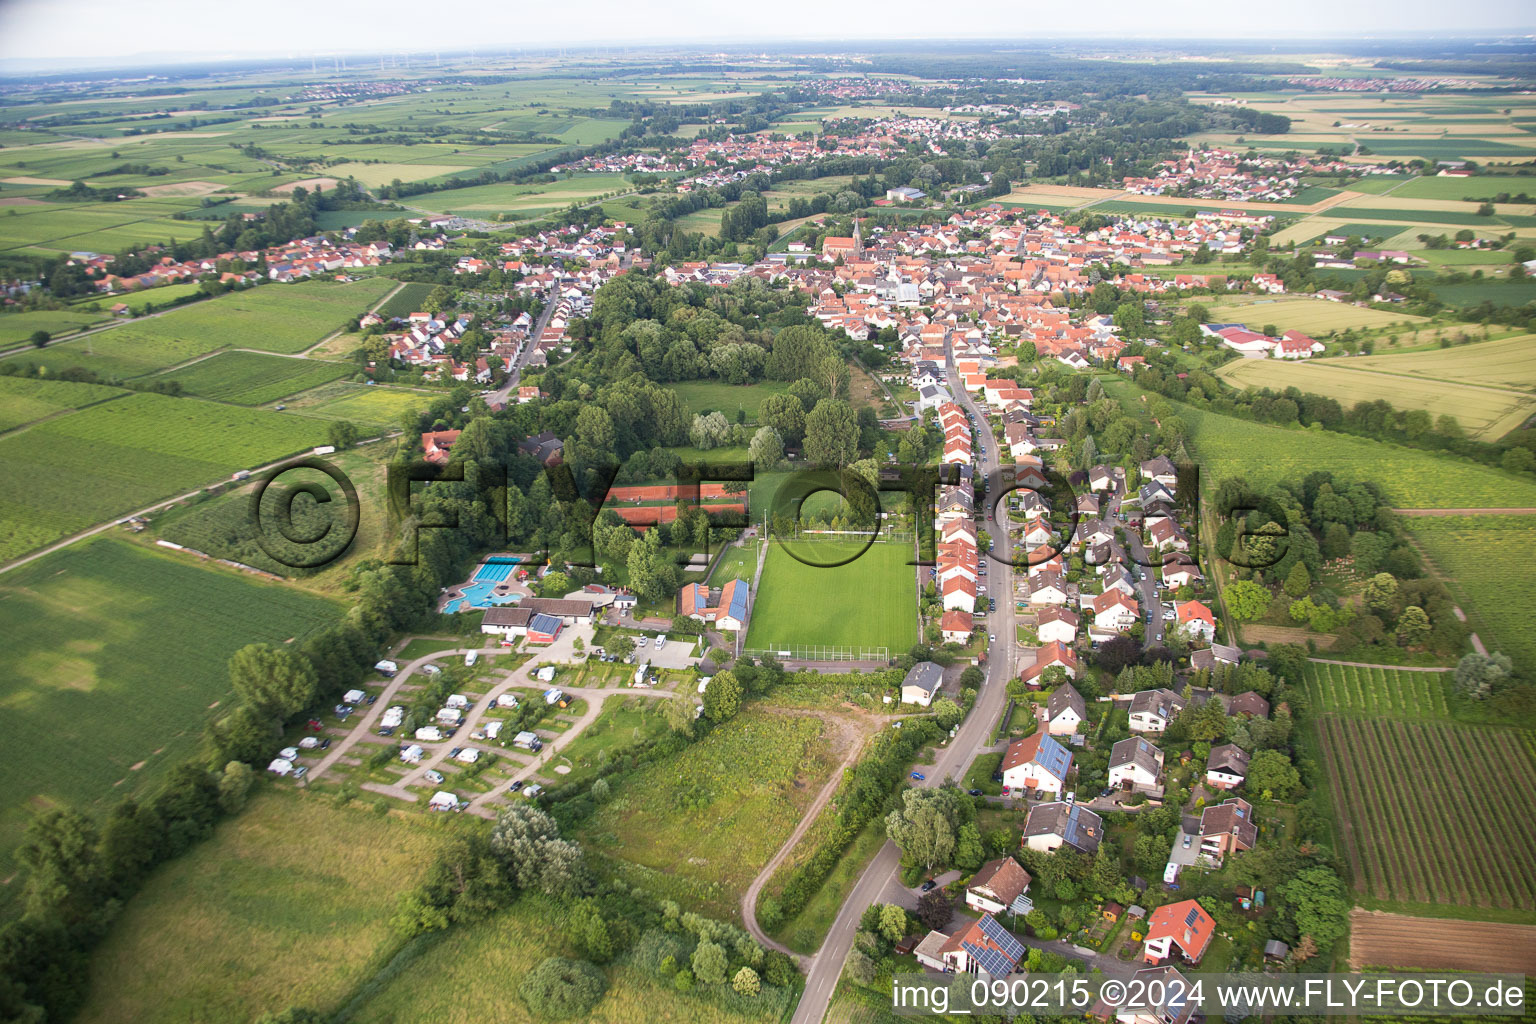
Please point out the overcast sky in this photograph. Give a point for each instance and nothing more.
(94, 29)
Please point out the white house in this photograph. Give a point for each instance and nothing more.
(1036, 764)
(921, 683)
(1065, 710)
(1227, 766)
(1152, 710)
(1136, 764)
(1056, 625)
(996, 886)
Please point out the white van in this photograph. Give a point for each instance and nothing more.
(471, 658)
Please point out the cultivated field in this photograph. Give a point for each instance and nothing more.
(1316, 317)
(1484, 560)
(25, 400)
(116, 655)
(272, 318)
(1433, 813)
(1394, 940)
(1508, 362)
(1263, 454)
(287, 905)
(1376, 692)
(378, 408)
(1227, 446)
(253, 378)
(522, 200)
(86, 467)
(701, 824)
(222, 526)
(283, 318)
(407, 300)
(870, 602)
(1484, 412)
(16, 328)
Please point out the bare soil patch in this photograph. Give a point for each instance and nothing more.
(1395, 940)
(181, 188)
(309, 183)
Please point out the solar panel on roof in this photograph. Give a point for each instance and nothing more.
(991, 961)
(1194, 915)
(1011, 946)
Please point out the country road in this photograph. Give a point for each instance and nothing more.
(953, 761)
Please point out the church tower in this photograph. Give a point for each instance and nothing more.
(858, 242)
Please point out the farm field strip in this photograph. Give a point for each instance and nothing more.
(253, 378)
(1485, 412)
(1505, 363)
(1264, 454)
(1350, 690)
(1485, 559)
(122, 455)
(1417, 817)
(1396, 940)
(26, 400)
(1311, 316)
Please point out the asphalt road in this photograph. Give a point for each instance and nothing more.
(1146, 591)
(954, 760)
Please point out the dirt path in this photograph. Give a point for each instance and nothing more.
(337, 333)
(1379, 939)
(129, 514)
(1366, 664)
(807, 819)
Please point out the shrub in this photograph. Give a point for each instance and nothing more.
(746, 982)
(558, 987)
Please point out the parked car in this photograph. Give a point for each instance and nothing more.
(974, 792)
(1187, 838)
(387, 730)
(929, 885)
(1069, 797)
(991, 638)
(301, 771)
(1107, 791)
(343, 709)
(373, 699)
(515, 786)
(918, 776)
(455, 752)
(434, 777)
(325, 744)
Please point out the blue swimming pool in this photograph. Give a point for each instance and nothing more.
(494, 571)
(481, 595)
